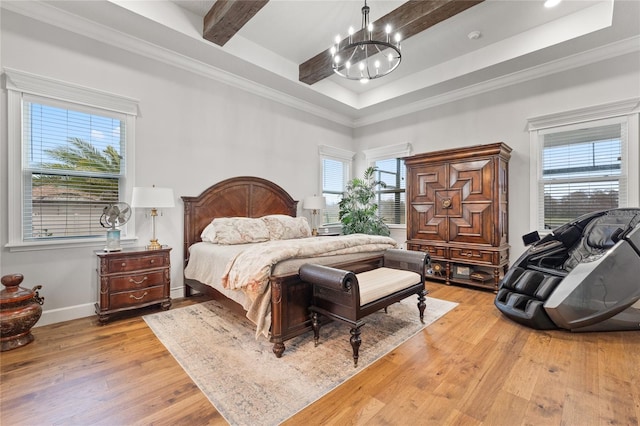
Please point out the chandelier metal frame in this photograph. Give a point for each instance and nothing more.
(363, 51)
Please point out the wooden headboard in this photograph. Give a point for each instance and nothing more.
(243, 196)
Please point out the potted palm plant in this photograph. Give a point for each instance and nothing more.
(358, 209)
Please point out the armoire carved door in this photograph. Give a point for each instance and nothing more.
(457, 208)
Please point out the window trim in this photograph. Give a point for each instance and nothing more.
(18, 84)
(385, 153)
(627, 110)
(337, 154)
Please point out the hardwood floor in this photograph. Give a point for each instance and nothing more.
(472, 367)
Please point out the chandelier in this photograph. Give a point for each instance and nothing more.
(365, 59)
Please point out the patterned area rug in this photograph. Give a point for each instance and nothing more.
(248, 385)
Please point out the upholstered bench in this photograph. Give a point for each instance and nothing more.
(347, 297)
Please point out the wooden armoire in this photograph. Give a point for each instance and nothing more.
(457, 210)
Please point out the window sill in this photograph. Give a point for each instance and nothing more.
(396, 226)
(96, 243)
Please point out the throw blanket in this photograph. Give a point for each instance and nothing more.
(250, 269)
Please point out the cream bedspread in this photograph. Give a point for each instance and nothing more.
(250, 269)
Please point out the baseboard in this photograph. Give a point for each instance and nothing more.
(68, 313)
(177, 292)
(53, 316)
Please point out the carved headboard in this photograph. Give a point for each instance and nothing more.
(243, 196)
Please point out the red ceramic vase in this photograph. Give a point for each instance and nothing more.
(19, 311)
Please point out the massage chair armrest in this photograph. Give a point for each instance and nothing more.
(408, 260)
(328, 277)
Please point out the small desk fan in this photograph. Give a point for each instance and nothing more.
(113, 215)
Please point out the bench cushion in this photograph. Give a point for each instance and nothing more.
(381, 282)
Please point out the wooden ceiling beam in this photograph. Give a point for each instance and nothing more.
(226, 17)
(409, 19)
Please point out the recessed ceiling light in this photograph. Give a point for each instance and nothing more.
(552, 3)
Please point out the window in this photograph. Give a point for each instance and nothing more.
(392, 171)
(391, 199)
(583, 167)
(336, 166)
(71, 157)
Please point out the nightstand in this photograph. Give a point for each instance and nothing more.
(132, 279)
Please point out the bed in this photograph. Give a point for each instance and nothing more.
(288, 297)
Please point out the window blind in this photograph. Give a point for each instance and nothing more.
(334, 180)
(73, 166)
(581, 172)
(392, 199)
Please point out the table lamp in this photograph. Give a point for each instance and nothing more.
(152, 198)
(314, 203)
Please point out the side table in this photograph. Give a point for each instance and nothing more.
(132, 279)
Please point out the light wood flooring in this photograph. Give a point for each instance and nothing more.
(472, 367)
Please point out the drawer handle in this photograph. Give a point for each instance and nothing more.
(152, 261)
(124, 264)
(469, 254)
(446, 203)
(131, 296)
(131, 280)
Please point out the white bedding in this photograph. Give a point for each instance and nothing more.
(209, 262)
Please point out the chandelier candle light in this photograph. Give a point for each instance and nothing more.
(152, 198)
(365, 59)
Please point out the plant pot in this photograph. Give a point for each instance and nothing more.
(19, 311)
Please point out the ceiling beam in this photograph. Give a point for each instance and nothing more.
(409, 19)
(226, 17)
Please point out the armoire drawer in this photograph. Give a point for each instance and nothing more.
(471, 255)
(434, 251)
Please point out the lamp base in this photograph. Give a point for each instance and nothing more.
(154, 245)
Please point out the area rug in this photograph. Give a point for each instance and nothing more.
(244, 380)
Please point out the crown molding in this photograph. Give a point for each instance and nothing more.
(44, 86)
(613, 109)
(577, 60)
(82, 26)
(381, 153)
(338, 153)
(68, 21)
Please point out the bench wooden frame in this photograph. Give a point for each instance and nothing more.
(336, 293)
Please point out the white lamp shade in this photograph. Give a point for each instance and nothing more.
(314, 203)
(152, 197)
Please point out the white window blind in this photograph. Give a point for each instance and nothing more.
(335, 165)
(582, 171)
(391, 199)
(73, 166)
(334, 181)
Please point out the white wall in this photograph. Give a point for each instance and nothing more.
(501, 116)
(191, 132)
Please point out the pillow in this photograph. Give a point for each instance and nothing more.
(209, 234)
(239, 230)
(283, 227)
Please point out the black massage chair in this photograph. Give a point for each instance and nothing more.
(584, 276)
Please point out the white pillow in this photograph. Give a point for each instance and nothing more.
(283, 227)
(239, 230)
(209, 234)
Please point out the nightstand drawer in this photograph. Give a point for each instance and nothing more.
(151, 260)
(471, 255)
(137, 297)
(136, 281)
